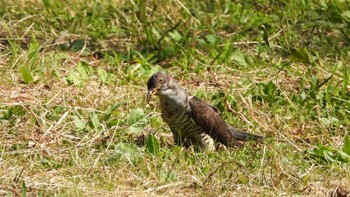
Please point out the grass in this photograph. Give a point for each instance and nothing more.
(73, 116)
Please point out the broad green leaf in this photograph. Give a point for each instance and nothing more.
(175, 35)
(299, 55)
(152, 145)
(238, 57)
(79, 75)
(75, 79)
(15, 47)
(84, 70)
(33, 52)
(346, 15)
(102, 74)
(329, 154)
(212, 39)
(156, 33)
(125, 152)
(200, 93)
(14, 111)
(329, 120)
(94, 122)
(344, 157)
(23, 189)
(56, 73)
(136, 120)
(346, 146)
(148, 72)
(77, 45)
(27, 77)
(107, 114)
(135, 116)
(113, 122)
(79, 124)
(47, 4)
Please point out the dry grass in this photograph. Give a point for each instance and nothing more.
(73, 117)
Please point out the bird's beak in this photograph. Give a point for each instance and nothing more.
(151, 92)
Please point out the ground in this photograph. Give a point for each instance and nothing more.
(73, 116)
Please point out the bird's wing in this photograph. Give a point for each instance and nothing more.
(211, 122)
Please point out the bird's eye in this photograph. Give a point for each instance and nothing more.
(160, 80)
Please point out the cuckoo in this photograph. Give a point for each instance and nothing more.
(191, 120)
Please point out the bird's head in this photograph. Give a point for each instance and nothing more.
(158, 84)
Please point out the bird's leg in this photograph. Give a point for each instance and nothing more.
(178, 139)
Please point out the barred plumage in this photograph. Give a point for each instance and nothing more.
(191, 120)
(184, 129)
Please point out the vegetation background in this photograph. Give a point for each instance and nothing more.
(73, 117)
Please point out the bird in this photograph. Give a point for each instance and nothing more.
(192, 121)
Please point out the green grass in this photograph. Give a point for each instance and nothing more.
(73, 116)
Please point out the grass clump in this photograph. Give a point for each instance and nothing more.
(73, 116)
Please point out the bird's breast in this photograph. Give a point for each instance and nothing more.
(171, 113)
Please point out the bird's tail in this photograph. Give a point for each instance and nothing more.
(241, 135)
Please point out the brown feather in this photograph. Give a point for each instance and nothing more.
(214, 125)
